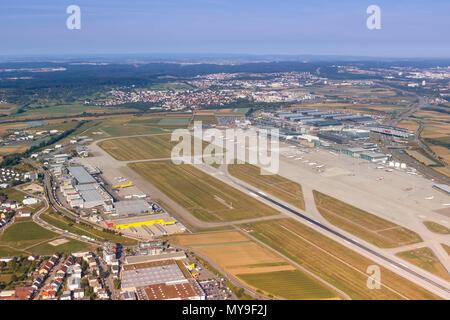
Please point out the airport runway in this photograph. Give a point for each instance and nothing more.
(347, 239)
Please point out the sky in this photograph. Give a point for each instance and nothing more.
(409, 28)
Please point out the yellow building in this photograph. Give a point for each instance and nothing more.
(122, 226)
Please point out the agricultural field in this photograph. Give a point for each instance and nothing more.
(204, 196)
(174, 122)
(6, 127)
(367, 226)
(442, 152)
(367, 100)
(68, 110)
(210, 117)
(60, 125)
(168, 121)
(13, 194)
(255, 265)
(425, 259)
(278, 186)
(16, 148)
(331, 261)
(127, 129)
(209, 237)
(411, 125)
(291, 285)
(117, 126)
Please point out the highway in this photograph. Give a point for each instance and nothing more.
(347, 239)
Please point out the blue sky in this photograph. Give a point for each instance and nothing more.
(410, 28)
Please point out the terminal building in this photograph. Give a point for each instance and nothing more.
(83, 191)
(392, 131)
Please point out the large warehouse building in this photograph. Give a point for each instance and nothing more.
(160, 280)
(125, 208)
(81, 175)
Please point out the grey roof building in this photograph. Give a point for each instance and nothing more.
(81, 175)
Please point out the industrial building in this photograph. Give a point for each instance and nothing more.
(131, 207)
(323, 118)
(150, 273)
(333, 137)
(148, 226)
(366, 152)
(353, 151)
(344, 136)
(190, 290)
(81, 190)
(81, 175)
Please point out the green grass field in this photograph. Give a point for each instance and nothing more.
(23, 234)
(363, 224)
(26, 237)
(292, 285)
(278, 186)
(157, 146)
(206, 119)
(204, 196)
(333, 262)
(13, 194)
(68, 247)
(178, 122)
(9, 252)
